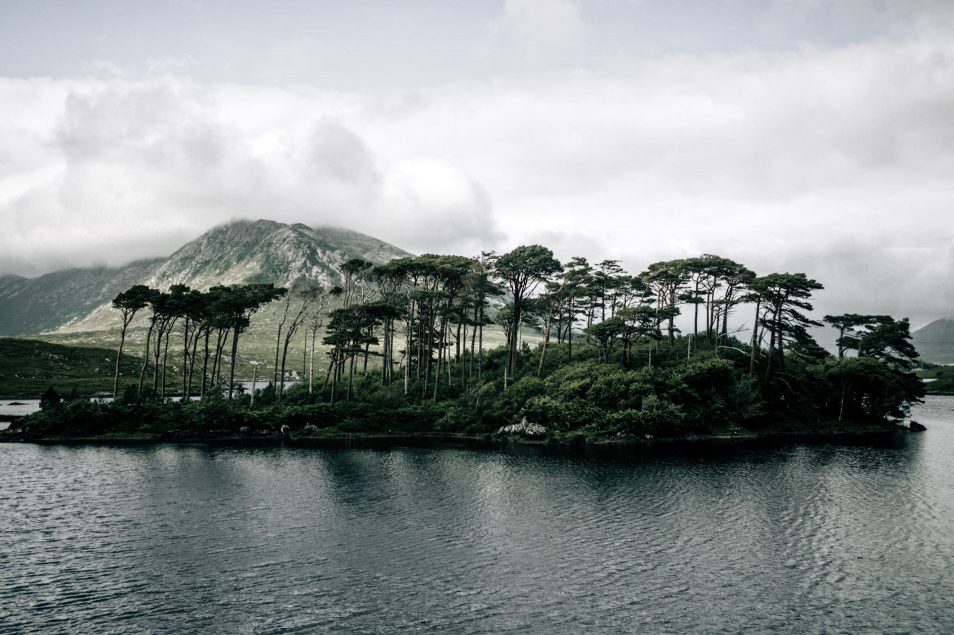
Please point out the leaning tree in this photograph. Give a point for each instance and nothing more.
(784, 300)
(129, 303)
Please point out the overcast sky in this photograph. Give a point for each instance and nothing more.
(794, 135)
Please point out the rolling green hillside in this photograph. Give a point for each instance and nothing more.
(257, 344)
(940, 380)
(29, 367)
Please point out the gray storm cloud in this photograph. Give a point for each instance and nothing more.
(127, 169)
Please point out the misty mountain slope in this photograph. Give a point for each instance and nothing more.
(78, 300)
(935, 342)
(267, 251)
(34, 305)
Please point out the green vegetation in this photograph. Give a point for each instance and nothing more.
(405, 354)
(940, 379)
(28, 367)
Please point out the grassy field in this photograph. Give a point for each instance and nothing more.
(943, 377)
(255, 345)
(29, 367)
(85, 359)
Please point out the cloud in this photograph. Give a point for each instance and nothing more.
(437, 197)
(170, 64)
(289, 59)
(125, 169)
(542, 26)
(835, 162)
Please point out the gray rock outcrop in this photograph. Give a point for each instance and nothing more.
(524, 429)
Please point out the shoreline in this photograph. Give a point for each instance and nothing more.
(867, 434)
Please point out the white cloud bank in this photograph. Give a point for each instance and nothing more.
(833, 162)
(104, 171)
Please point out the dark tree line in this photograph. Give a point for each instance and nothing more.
(215, 318)
(425, 318)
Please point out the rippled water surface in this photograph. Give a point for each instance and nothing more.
(806, 538)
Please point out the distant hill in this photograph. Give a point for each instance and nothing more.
(245, 251)
(935, 342)
(35, 305)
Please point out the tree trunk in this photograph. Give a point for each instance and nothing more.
(311, 363)
(119, 355)
(288, 338)
(409, 326)
(695, 321)
(165, 362)
(219, 364)
(755, 336)
(440, 356)
(235, 336)
(157, 355)
(457, 342)
(195, 345)
(333, 367)
(546, 341)
(216, 360)
(480, 352)
(185, 356)
(278, 345)
(205, 362)
(351, 377)
(514, 330)
(145, 357)
(430, 355)
(473, 344)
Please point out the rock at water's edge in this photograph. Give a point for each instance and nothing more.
(525, 429)
(916, 427)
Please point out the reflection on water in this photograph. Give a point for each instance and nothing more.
(806, 538)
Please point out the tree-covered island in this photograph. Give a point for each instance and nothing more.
(590, 353)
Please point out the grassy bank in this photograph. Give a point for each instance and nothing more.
(942, 380)
(29, 367)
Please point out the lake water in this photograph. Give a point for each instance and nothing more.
(796, 539)
(18, 407)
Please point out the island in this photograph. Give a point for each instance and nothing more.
(589, 354)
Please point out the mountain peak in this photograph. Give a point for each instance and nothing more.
(238, 252)
(269, 251)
